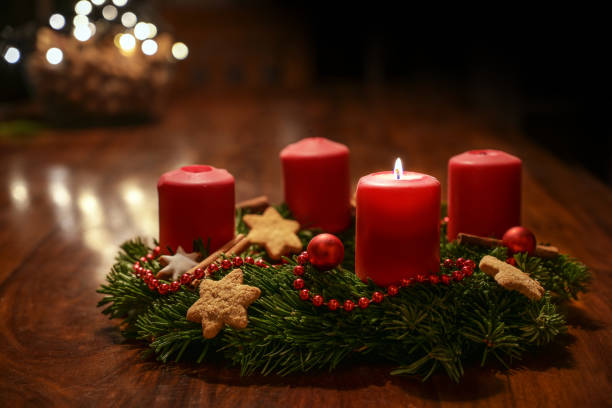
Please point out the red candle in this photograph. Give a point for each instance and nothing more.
(484, 193)
(398, 226)
(317, 183)
(195, 202)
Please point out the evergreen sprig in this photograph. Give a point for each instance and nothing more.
(424, 329)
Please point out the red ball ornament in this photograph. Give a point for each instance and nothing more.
(317, 300)
(175, 286)
(325, 251)
(237, 262)
(349, 305)
(364, 302)
(333, 304)
(163, 288)
(226, 264)
(249, 260)
(377, 297)
(392, 290)
(298, 283)
(298, 270)
(434, 279)
(511, 261)
(448, 263)
(445, 279)
(304, 294)
(153, 283)
(198, 273)
(519, 239)
(186, 278)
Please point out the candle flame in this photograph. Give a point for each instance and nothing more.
(398, 170)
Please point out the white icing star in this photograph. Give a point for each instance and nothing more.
(177, 264)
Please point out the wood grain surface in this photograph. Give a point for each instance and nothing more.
(68, 198)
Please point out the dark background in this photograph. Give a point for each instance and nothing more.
(542, 70)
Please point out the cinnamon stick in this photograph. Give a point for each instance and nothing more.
(215, 255)
(257, 203)
(542, 251)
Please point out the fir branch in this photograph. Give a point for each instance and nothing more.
(424, 329)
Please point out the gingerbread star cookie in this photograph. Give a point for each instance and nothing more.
(177, 264)
(511, 278)
(223, 302)
(274, 232)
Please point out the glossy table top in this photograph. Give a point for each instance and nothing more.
(68, 198)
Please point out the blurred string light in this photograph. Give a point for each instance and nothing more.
(128, 19)
(120, 3)
(83, 7)
(80, 20)
(82, 33)
(54, 56)
(127, 42)
(57, 21)
(141, 31)
(12, 55)
(152, 30)
(149, 47)
(109, 12)
(180, 50)
(98, 2)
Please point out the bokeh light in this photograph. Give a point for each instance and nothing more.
(57, 21)
(180, 51)
(98, 2)
(109, 12)
(152, 30)
(141, 31)
(149, 47)
(120, 3)
(127, 42)
(83, 7)
(80, 20)
(82, 32)
(12, 55)
(128, 19)
(54, 56)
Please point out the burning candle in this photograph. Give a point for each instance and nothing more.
(398, 226)
(317, 183)
(484, 193)
(195, 202)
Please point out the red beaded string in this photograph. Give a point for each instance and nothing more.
(465, 268)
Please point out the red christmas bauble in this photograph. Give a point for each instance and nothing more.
(325, 251)
(519, 239)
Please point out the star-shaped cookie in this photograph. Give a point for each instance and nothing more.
(222, 302)
(274, 232)
(511, 278)
(177, 264)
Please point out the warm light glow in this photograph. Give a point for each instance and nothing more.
(180, 51)
(141, 31)
(60, 194)
(80, 20)
(92, 28)
(57, 21)
(12, 55)
(127, 42)
(98, 2)
(83, 7)
(19, 192)
(128, 19)
(109, 12)
(54, 56)
(398, 170)
(120, 3)
(149, 47)
(82, 32)
(152, 30)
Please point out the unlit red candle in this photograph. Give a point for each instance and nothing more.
(398, 227)
(317, 183)
(196, 202)
(484, 193)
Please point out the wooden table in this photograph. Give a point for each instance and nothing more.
(68, 198)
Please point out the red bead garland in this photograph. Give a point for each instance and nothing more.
(464, 268)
